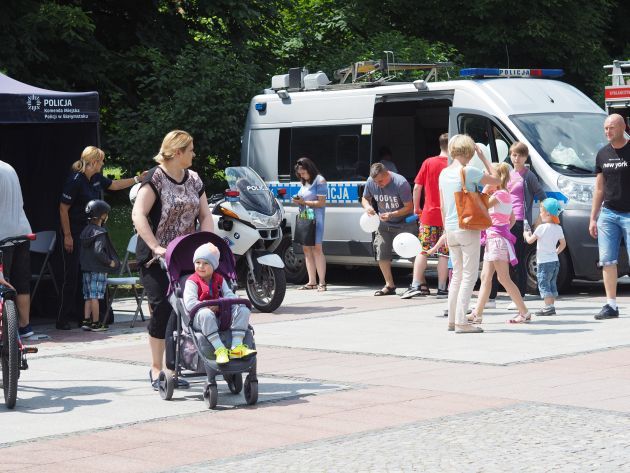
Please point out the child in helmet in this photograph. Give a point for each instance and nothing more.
(550, 242)
(98, 257)
(205, 284)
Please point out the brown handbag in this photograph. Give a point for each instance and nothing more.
(472, 207)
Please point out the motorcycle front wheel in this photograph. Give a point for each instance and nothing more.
(267, 294)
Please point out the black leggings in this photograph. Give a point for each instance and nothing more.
(155, 282)
(518, 273)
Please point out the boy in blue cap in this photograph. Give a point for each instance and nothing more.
(547, 235)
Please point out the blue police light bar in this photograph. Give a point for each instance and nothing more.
(261, 106)
(496, 72)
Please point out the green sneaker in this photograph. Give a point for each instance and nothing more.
(98, 327)
(241, 351)
(222, 355)
(86, 324)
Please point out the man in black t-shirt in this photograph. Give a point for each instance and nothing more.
(610, 214)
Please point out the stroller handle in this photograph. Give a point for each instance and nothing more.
(225, 305)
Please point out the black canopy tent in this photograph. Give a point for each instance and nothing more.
(42, 132)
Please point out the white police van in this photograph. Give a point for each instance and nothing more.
(341, 128)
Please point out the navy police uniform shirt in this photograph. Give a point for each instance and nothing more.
(77, 192)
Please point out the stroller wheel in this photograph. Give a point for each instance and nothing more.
(251, 391)
(211, 396)
(235, 383)
(166, 385)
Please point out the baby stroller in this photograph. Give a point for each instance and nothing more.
(192, 349)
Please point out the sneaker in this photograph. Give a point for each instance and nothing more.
(491, 304)
(222, 355)
(545, 311)
(441, 294)
(512, 306)
(241, 351)
(98, 327)
(26, 331)
(413, 291)
(607, 312)
(86, 324)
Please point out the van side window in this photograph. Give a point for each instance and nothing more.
(483, 131)
(341, 153)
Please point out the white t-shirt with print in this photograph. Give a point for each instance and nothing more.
(548, 235)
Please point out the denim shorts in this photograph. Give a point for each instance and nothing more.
(612, 226)
(547, 274)
(94, 285)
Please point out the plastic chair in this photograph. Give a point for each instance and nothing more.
(44, 244)
(126, 278)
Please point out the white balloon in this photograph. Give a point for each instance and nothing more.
(502, 150)
(369, 223)
(407, 245)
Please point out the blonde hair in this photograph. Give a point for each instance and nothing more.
(461, 146)
(90, 155)
(174, 140)
(503, 171)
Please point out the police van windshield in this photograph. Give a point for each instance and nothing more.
(569, 142)
(253, 192)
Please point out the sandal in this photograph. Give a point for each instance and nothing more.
(474, 319)
(307, 287)
(322, 287)
(386, 291)
(521, 319)
(424, 290)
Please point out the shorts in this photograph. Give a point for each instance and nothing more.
(429, 236)
(612, 226)
(547, 274)
(384, 238)
(17, 266)
(94, 285)
(496, 250)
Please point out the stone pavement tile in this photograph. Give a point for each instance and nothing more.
(109, 463)
(41, 455)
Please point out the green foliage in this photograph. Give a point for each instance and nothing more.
(205, 91)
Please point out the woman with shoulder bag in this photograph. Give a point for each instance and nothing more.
(170, 202)
(463, 244)
(312, 195)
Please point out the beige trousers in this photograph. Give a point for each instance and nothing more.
(464, 248)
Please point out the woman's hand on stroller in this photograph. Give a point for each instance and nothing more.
(215, 309)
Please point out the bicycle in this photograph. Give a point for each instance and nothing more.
(12, 351)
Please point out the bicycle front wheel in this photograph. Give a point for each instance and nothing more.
(10, 353)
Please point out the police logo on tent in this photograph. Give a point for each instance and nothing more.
(33, 103)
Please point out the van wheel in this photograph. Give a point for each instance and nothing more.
(294, 265)
(565, 275)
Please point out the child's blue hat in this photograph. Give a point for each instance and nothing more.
(552, 206)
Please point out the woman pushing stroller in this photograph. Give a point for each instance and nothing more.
(206, 284)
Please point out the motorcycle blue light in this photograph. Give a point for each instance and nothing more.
(261, 106)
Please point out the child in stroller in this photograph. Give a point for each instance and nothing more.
(206, 284)
(208, 316)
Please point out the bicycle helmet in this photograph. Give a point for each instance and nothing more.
(97, 208)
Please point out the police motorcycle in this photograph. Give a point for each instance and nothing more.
(250, 219)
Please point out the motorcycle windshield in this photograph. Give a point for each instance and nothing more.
(253, 192)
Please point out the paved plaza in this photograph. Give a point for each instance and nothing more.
(348, 382)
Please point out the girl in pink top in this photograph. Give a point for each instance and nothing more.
(499, 253)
